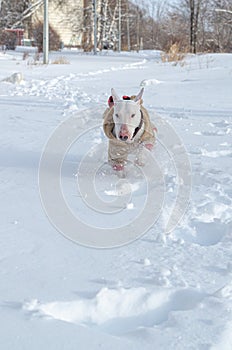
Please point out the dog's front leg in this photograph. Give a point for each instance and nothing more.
(139, 155)
(117, 154)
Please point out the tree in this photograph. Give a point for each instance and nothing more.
(10, 11)
(221, 23)
(195, 25)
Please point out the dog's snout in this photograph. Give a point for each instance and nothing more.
(123, 138)
(124, 133)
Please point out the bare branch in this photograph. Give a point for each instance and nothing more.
(225, 11)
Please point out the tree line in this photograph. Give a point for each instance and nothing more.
(195, 25)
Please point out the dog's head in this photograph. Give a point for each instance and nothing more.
(127, 116)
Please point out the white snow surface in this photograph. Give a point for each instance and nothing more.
(162, 291)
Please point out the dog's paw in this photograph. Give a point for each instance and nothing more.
(149, 146)
(118, 167)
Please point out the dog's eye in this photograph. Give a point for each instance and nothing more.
(116, 115)
(132, 115)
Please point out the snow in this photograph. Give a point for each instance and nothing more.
(108, 305)
(151, 287)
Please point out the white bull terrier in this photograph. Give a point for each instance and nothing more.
(127, 125)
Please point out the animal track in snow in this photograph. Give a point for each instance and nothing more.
(209, 233)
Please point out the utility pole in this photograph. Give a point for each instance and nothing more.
(45, 33)
(128, 26)
(95, 26)
(119, 26)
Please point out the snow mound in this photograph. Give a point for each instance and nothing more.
(15, 78)
(123, 189)
(119, 311)
(147, 82)
(106, 305)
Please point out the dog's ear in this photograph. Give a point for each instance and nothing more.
(114, 95)
(139, 96)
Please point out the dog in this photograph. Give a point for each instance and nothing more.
(128, 127)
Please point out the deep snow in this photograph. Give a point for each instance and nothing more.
(163, 291)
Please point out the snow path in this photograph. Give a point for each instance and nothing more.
(172, 291)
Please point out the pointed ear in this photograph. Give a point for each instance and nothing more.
(139, 96)
(114, 95)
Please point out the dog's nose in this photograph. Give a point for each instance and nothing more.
(124, 133)
(123, 138)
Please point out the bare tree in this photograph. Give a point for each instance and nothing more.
(196, 25)
(87, 42)
(10, 11)
(221, 22)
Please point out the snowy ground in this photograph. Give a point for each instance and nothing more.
(162, 291)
